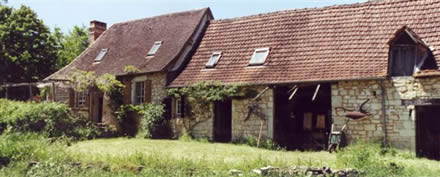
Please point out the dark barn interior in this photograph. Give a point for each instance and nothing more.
(302, 116)
(427, 131)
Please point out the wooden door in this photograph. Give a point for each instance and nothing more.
(223, 121)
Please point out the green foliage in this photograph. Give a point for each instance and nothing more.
(152, 120)
(70, 45)
(126, 115)
(26, 46)
(131, 69)
(108, 83)
(200, 97)
(51, 119)
(370, 159)
(206, 92)
(83, 80)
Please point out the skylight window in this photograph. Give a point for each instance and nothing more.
(213, 60)
(155, 48)
(101, 55)
(259, 56)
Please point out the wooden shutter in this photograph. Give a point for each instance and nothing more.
(71, 97)
(148, 90)
(127, 92)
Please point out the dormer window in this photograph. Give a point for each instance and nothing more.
(155, 48)
(213, 60)
(409, 54)
(101, 55)
(259, 56)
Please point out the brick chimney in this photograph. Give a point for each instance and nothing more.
(96, 29)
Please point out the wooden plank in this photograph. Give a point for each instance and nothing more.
(293, 93)
(316, 92)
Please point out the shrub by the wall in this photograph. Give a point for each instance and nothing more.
(51, 119)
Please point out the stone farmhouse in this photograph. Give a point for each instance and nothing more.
(157, 46)
(313, 65)
(310, 67)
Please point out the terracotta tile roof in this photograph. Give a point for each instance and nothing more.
(129, 42)
(342, 42)
(426, 73)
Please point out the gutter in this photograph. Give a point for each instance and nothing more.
(384, 118)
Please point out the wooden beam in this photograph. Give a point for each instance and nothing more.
(316, 92)
(6, 93)
(260, 94)
(293, 93)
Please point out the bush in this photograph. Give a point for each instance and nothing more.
(369, 159)
(51, 119)
(126, 116)
(152, 123)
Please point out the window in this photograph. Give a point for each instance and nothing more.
(213, 60)
(81, 98)
(101, 55)
(259, 56)
(403, 60)
(179, 107)
(139, 93)
(155, 48)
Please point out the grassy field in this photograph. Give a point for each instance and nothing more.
(212, 155)
(142, 157)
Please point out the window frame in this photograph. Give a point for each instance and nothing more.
(154, 50)
(81, 99)
(101, 54)
(212, 60)
(178, 107)
(139, 99)
(254, 63)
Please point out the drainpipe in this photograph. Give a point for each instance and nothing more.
(384, 118)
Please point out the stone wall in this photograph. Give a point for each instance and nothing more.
(240, 127)
(400, 124)
(252, 126)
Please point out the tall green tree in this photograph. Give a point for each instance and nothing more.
(70, 45)
(27, 48)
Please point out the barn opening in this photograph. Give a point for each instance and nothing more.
(302, 116)
(223, 121)
(427, 131)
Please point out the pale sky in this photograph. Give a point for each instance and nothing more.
(66, 13)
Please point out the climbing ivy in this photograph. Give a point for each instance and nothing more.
(83, 80)
(200, 97)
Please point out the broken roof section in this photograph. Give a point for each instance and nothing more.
(345, 42)
(128, 43)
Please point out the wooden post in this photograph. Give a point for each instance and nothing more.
(53, 92)
(6, 92)
(293, 93)
(259, 134)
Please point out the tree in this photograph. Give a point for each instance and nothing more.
(27, 48)
(70, 45)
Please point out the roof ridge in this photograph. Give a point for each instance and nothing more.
(162, 15)
(366, 3)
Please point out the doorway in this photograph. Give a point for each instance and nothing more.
(302, 121)
(223, 121)
(427, 131)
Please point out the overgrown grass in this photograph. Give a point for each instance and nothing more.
(141, 157)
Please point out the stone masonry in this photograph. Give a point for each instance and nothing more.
(400, 124)
(240, 127)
